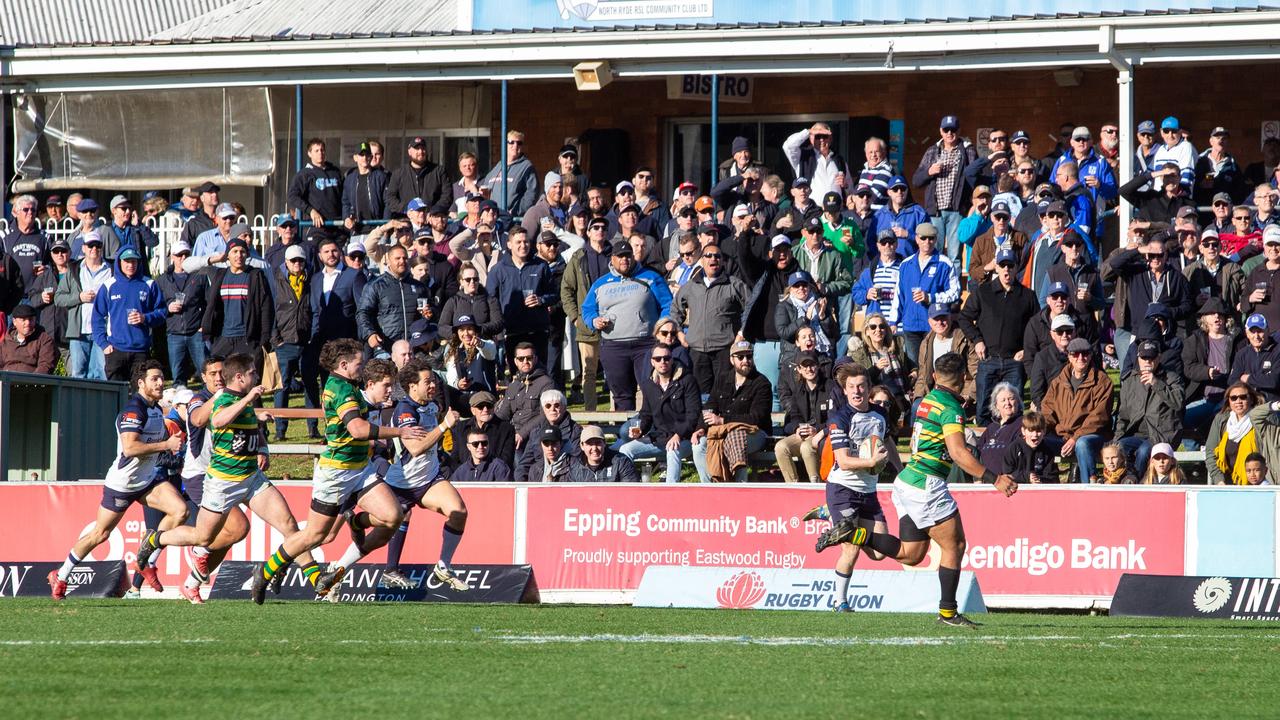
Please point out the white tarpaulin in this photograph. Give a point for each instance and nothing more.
(142, 140)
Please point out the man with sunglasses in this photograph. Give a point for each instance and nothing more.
(1020, 147)
(1049, 362)
(1262, 286)
(1093, 171)
(994, 318)
(811, 153)
(520, 190)
(1080, 274)
(1001, 235)
(1148, 279)
(480, 465)
(500, 433)
(1243, 239)
(1216, 169)
(554, 416)
(901, 216)
(941, 175)
(1163, 204)
(923, 279)
(1258, 362)
(582, 271)
(988, 170)
(1038, 333)
(26, 243)
(710, 307)
(1214, 276)
(876, 290)
(40, 295)
(1176, 152)
(1077, 407)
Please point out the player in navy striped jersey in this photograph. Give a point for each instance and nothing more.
(415, 477)
(854, 428)
(141, 438)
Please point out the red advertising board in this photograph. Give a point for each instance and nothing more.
(41, 522)
(1059, 541)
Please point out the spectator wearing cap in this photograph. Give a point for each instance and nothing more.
(1050, 360)
(581, 273)
(1216, 169)
(811, 153)
(1077, 271)
(1258, 362)
(27, 348)
(1092, 170)
(669, 414)
(876, 171)
(1163, 203)
(654, 214)
(1078, 201)
(737, 415)
(470, 361)
(292, 332)
(1022, 159)
(1145, 152)
(202, 220)
(1077, 408)
(364, 188)
(390, 303)
(420, 178)
(1207, 355)
(315, 193)
(54, 210)
(765, 266)
(988, 170)
(901, 216)
(805, 307)
(1151, 405)
(805, 393)
(1148, 279)
(40, 294)
(978, 220)
(238, 314)
(861, 215)
(567, 160)
(923, 279)
(552, 460)
(472, 301)
(1214, 276)
(549, 212)
(26, 243)
(1244, 239)
(124, 311)
(77, 291)
(182, 328)
(628, 224)
(549, 248)
(599, 463)
(1001, 235)
(994, 318)
(1221, 214)
(210, 248)
(739, 160)
(1030, 219)
(553, 414)
(844, 233)
(941, 176)
(522, 282)
(745, 191)
(1176, 151)
(478, 461)
(710, 309)
(520, 190)
(684, 214)
(1262, 285)
(828, 266)
(1058, 301)
(623, 306)
(944, 338)
(791, 214)
(1187, 232)
(483, 420)
(876, 289)
(287, 236)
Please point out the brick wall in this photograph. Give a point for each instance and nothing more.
(549, 112)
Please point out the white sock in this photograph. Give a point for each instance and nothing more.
(199, 550)
(154, 559)
(842, 587)
(68, 565)
(192, 581)
(350, 557)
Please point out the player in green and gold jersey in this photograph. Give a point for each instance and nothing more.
(926, 510)
(237, 460)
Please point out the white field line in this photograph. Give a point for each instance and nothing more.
(24, 643)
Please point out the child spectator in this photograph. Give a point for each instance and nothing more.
(1163, 468)
(1115, 466)
(1028, 458)
(1255, 469)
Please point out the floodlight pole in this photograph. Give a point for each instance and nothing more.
(502, 148)
(715, 127)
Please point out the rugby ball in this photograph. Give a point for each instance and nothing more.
(173, 428)
(868, 448)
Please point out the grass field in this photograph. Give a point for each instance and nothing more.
(110, 658)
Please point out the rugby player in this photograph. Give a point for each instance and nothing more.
(344, 469)
(851, 484)
(142, 436)
(926, 509)
(168, 468)
(234, 475)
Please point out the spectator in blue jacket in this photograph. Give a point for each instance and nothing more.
(623, 306)
(876, 289)
(125, 231)
(923, 279)
(1093, 170)
(901, 215)
(124, 311)
(523, 284)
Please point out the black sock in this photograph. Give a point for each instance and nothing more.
(885, 544)
(395, 546)
(137, 581)
(949, 580)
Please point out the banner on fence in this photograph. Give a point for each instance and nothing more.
(91, 579)
(485, 584)
(1197, 597)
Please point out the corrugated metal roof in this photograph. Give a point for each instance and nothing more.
(81, 22)
(302, 20)
(279, 19)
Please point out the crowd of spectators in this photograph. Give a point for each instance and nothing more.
(709, 310)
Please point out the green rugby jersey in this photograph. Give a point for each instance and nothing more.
(339, 399)
(940, 414)
(235, 447)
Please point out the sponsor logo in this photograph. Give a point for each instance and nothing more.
(11, 578)
(1212, 594)
(742, 590)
